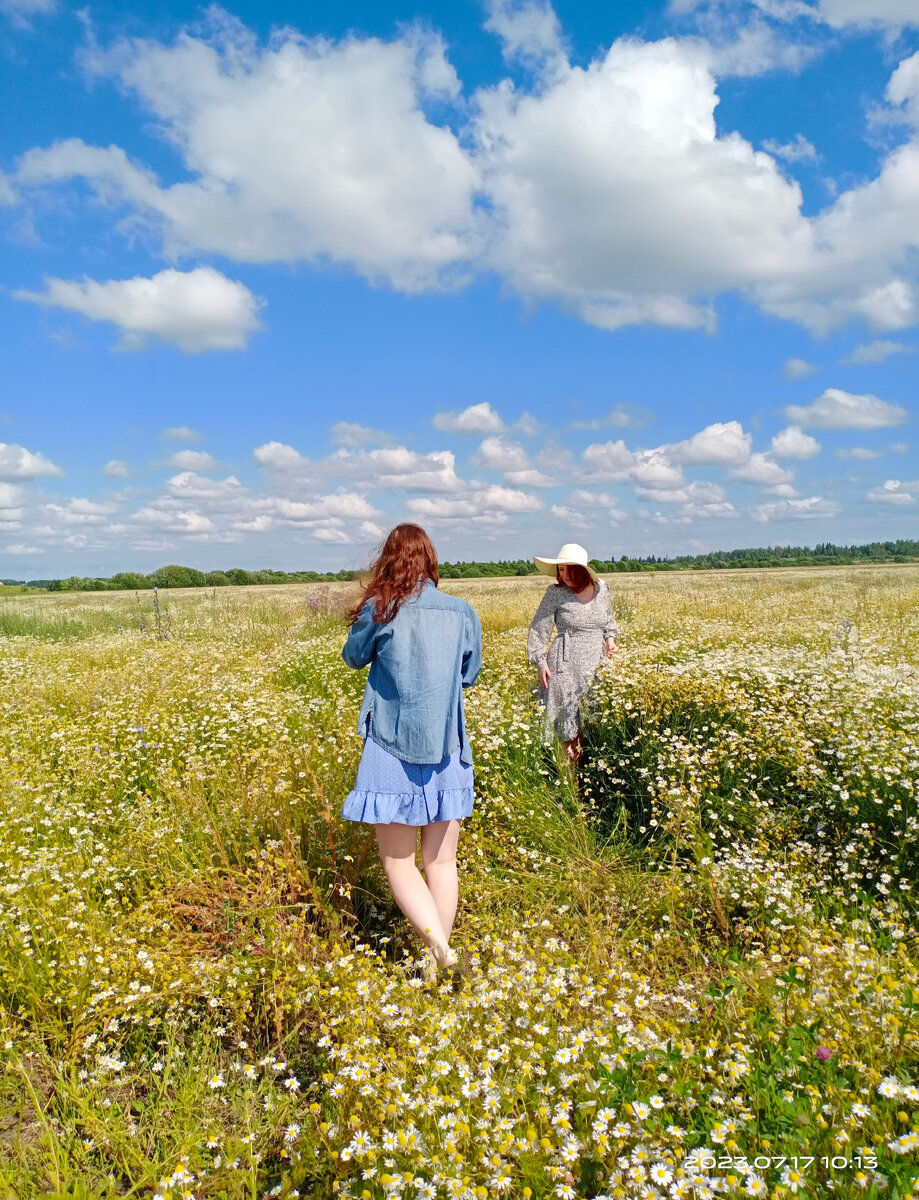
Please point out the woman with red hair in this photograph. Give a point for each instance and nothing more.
(415, 772)
(579, 607)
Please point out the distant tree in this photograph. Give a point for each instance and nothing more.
(176, 577)
(128, 581)
(216, 579)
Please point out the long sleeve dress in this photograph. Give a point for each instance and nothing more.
(574, 655)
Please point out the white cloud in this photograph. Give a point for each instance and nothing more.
(485, 505)
(623, 416)
(529, 30)
(330, 532)
(173, 520)
(11, 496)
(21, 550)
(794, 443)
(115, 468)
(699, 493)
(224, 493)
(529, 478)
(181, 433)
(18, 463)
(800, 150)
(195, 310)
(609, 460)
(808, 508)
(477, 418)
(277, 456)
(762, 470)
(397, 467)
(862, 453)
(304, 149)
(21, 10)
(894, 492)
(499, 454)
(876, 352)
(721, 444)
(353, 436)
(615, 462)
(798, 368)
(893, 13)
(568, 516)
(370, 530)
(695, 212)
(192, 460)
(837, 409)
(337, 505)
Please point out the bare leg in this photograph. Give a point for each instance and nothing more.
(438, 853)
(398, 848)
(573, 750)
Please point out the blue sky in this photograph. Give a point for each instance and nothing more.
(644, 278)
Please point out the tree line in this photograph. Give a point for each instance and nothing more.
(823, 554)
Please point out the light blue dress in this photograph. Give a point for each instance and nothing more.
(388, 791)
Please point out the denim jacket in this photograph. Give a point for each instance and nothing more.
(419, 663)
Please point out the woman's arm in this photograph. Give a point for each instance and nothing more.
(610, 628)
(541, 629)
(472, 648)
(359, 648)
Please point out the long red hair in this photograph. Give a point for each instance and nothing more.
(407, 557)
(580, 577)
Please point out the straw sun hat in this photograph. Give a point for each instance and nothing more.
(570, 555)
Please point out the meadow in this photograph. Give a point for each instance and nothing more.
(694, 974)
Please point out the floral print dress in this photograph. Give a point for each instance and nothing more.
(575, 654)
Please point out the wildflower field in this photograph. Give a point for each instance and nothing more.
(695, 974)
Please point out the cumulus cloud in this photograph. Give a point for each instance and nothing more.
(568, 516)
(488, 505)
(794, 443)
(21, 550)
(181, 433)
(695, 212)
(798, 368)
(316, 150)
(807, 508)
(721, 444)
(116, 468)
(18, 463)
(510, 458)
(701, 494)
(499, 454)
(397, 467)
(892, 13)
(192, 460)
(195, 310)
(353, 436)
(623, 416)
(763, 471)
(477, 418)
(529, 30)
(277, 456)
(876, 352)
(304, 149)
(837, 409)
(529, 478)
(895, 493)
(800, 150)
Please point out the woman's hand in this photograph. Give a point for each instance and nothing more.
(544, 676)
(611, 647)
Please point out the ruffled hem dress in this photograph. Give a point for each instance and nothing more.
(388, 791)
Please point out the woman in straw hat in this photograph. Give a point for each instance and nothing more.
(578, 604)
